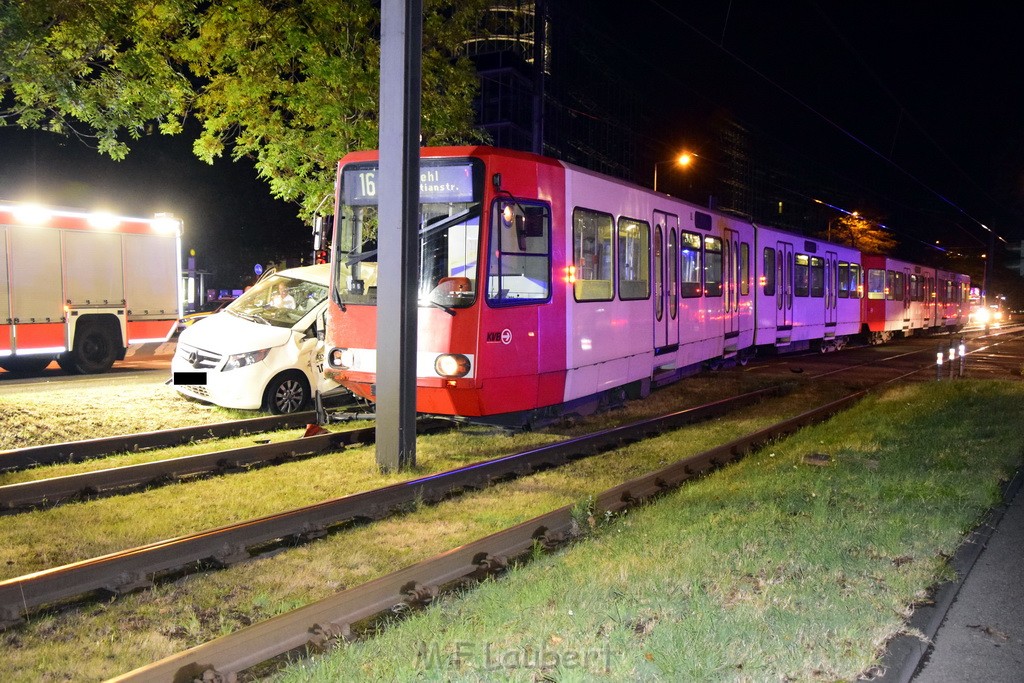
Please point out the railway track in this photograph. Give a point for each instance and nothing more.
(334, 618)
(413, 592)
(77, 451)
(138, 568)
(56, 490)
(337, 617)
(898, 358)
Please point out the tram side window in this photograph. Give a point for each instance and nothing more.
(519, 269)
(899, 286)
(856, 291)
(744, 269)
(768, 279)
(876, 283)
(817, 276)
(712, 266)
(916, 293)
(802, 275)
(844, 280)
(689, 265)
(592, 255)
(634, 259)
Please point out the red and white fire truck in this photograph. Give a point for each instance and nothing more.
(80, 287)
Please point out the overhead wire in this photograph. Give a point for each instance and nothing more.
(849, 134)
(595, 33)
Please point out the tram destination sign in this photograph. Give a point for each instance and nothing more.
(438, 183)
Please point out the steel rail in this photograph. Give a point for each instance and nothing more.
(130, 477)
(332, 618)
(76, 451)
(137, 568)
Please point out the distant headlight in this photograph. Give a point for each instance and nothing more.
(452, 365)
(981, 316)
(240, 360)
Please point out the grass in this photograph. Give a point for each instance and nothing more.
(643, 598)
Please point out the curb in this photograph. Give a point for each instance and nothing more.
(906, 652)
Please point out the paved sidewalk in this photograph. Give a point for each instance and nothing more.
(976, 626)
(982, 636)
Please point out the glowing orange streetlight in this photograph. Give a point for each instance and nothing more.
(684, 159)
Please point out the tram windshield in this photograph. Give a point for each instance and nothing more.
(449, 233)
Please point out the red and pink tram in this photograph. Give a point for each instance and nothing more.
(544, 287)
(903, 297)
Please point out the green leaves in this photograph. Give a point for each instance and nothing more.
(291, 84)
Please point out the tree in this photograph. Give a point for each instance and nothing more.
(291, 84)
(857, 232)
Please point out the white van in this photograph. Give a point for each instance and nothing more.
(260, 351)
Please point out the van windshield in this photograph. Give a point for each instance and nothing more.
(279, 300)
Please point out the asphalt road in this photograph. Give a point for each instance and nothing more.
(148, 370)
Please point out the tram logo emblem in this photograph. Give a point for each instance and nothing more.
(505, 337)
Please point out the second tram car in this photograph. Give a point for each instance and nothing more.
(544, 286)
(903, 297)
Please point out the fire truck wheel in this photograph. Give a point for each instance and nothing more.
(94, 351)
(26, 365)
(286, 393)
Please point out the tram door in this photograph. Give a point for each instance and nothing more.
(666, 282)
(784, 289)
(831, 287)
(904, 293)
(731, 283)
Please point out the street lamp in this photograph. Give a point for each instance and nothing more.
(684, 159)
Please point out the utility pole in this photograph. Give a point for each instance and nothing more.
(398, 231)
(539, 63)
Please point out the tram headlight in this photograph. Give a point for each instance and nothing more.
(340, 359)
(451, 365)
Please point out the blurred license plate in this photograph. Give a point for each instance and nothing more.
(181, 378)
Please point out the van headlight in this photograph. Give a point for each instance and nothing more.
(452, 365)
(240, 360)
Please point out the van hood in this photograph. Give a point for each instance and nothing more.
(225, 333)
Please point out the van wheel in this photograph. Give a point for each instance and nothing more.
(94, 351)
(286, 393)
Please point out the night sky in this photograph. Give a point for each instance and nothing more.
(915, 107)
